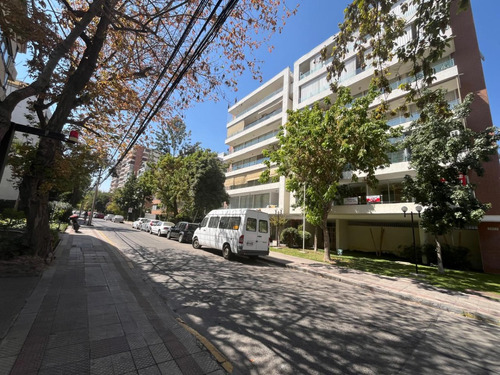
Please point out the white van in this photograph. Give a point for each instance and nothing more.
(239, 231)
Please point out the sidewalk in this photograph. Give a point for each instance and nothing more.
(468, 304)
(91, 313)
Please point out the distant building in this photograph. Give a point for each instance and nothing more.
(9, 48)
(370, 219)
(135, 163)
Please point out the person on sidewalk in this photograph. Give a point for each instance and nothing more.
(85, 215)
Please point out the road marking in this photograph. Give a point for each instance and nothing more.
(224, 362)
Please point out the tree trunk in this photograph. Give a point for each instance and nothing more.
(316, 238)
(439, 255)
(35, 200)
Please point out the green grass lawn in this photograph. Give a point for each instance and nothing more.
(464, 281)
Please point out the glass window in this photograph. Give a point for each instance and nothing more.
(251, 225)
(230, 222)
(204, 222)
(214, 222)
(263, 226)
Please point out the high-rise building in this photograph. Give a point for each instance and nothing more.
(134, 163)
(369, 219)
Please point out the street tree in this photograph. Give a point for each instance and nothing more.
(173, 137)
(190, 185)
(101, 200)
(377, 33)
(134, 194)
(443, 152)
(318, 144)
(108, 66)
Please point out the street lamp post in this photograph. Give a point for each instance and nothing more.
(278, 212)
(419, 209)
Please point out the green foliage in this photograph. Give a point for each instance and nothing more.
(442, 148)
(190, 185)
(372, 31)
(12, 218)
(320, 144)
(454, 257)
(59, 211)
(292, 237)
(133, 194)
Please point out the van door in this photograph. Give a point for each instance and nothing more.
(262, 242)
(250, 233)
(202, 232)
(212, 232)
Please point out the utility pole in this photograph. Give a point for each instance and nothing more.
(95, 197)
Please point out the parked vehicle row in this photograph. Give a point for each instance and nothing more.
(233, 231)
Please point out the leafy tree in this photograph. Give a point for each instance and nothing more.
(207, 176)
(190, 185)
(442, 149)
(372, 31)
(133, 195)
(60, 211)
(98, 64)
(173, 137)
(101, 200)
(317, 145)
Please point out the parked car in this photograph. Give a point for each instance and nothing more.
(161, 228)
(148, 224)
(138, 223)
(117, 219)
(109, 217)
(183, 231)
(234, 231)
(98, 215)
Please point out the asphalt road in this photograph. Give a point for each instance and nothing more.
(272, 320)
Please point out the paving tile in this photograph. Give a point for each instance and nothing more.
(206, 362)
(68, 338)
(65, 354)
(188, 366)
(160, 353)
(153, 370)
(101, 366)
(123, 363)
(142, 357)
(6, 364)
(135, 341)
(169, 368)
(70, 368)
(105, 332)
(105, 347)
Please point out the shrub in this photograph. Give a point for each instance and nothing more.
(59, 211)
(292, 237)
(454, 257)
(12, 218)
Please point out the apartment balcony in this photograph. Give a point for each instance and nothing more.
(260, 125)
(257, 188)
(254, 107)
(252, 147)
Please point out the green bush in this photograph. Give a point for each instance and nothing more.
(292, 237)
(12, 218)
(59, 212)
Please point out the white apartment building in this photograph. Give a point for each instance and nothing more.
(369, 219)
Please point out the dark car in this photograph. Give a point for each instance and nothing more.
(183, 231)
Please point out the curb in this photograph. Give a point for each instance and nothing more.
(404, 296)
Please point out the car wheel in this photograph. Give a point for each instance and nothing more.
(196, 243)
(226, 252)
(181, 237)
(168, 235)
(159, 233)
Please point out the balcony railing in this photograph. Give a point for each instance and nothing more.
(257, 122)
(242, 165)
(254, 141)
(316, 68)
(257, 104)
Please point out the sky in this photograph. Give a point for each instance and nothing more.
(316, 21)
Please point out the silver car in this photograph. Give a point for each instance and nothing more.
(161, 228)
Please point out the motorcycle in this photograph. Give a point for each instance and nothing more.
(74, 222)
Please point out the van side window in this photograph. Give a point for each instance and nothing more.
(213, 222)
(251, 224)
(263, 226)
(230, 222)
(204, 222)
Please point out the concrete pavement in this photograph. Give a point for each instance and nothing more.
(92, 313)
(474, 305)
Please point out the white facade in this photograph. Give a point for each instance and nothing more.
(371, 218)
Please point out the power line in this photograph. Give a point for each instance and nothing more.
(168, 90)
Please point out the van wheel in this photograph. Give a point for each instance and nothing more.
(181, 237)
(226, 252)
(196, 243)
